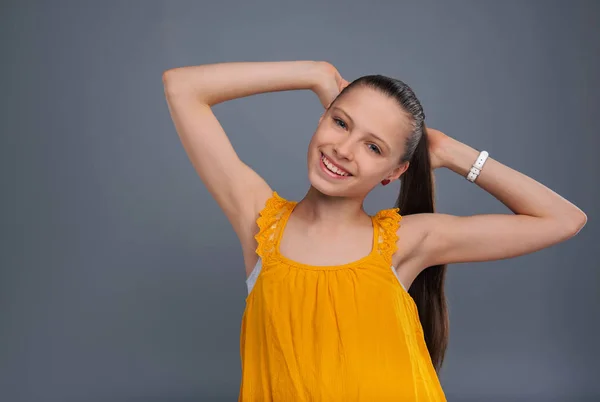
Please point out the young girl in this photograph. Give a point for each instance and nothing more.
(344, 306)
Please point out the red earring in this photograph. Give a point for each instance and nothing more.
(385, 182)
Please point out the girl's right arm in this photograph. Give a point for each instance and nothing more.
(191, 91)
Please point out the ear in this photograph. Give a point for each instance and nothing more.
(399, 171)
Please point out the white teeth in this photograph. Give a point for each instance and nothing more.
(330, 166)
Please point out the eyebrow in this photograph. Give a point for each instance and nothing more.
(352, 121)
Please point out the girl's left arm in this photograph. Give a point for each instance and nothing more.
(541, 217)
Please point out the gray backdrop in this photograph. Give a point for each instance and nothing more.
(121, 280)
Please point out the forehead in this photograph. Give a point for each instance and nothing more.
(372, 111)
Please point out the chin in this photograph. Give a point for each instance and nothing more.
(328, 185)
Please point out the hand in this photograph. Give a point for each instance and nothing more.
(437, 142)
(329, 84)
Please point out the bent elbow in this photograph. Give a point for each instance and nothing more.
(172, 82)
(167, 76)
(576, 223)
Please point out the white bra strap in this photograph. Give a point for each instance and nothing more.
(397, 277)
(253, 275)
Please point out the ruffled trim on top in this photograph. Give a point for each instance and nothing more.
(389, 222)
(274, 207)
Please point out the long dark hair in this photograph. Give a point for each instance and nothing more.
(417, 196)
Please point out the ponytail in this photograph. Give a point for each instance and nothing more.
(427, 290)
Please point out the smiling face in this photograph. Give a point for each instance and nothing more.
(359, 142)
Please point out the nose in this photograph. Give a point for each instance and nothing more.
(344, 149)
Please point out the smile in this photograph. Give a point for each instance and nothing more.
(332, 169)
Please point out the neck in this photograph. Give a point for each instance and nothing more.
(331, 212)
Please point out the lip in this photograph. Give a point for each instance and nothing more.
(329, 173)
(335, 164)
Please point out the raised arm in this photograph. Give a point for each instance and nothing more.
(190, 93)
(541, 217)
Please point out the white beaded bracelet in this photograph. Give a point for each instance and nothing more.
(477, 166)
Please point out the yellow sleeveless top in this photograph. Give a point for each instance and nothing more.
(332, 333)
